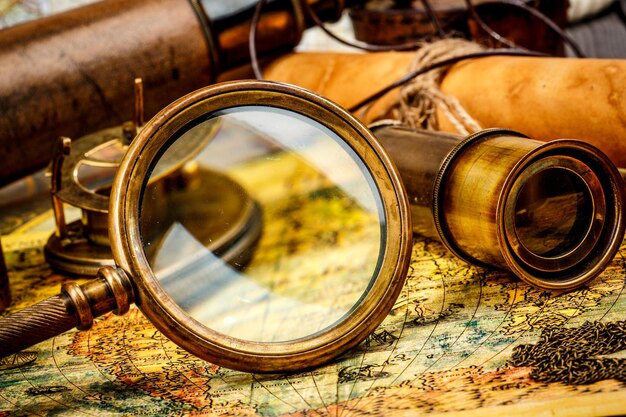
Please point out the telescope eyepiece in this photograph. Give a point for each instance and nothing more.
(552, 213)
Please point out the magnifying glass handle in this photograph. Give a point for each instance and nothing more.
(35, 324)
(76, 306)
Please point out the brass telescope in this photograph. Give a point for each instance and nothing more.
(549, 212)
(67, 74)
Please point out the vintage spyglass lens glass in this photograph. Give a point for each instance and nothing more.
(553, 212)
(314, 202)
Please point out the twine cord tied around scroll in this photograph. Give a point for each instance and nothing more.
(419, 100)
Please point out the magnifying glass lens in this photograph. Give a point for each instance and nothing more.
(272, 232)
(552, 209)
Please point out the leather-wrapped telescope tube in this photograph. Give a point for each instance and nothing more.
(552, 213)
(71, 74)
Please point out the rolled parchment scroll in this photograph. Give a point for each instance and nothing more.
(345, 78)
(545, 98)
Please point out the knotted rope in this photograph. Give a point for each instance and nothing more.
(419, 100)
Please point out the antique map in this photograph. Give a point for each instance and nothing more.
(460, 340)
(446, 347)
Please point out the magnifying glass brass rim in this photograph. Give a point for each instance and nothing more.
(170, 319)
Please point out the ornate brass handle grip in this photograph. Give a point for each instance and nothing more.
(76, 306)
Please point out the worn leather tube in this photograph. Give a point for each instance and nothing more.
(72, 73)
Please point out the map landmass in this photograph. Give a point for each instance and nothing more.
(445, 347)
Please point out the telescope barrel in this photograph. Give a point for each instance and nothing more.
(73, 73)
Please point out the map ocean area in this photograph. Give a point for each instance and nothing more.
(445, 348)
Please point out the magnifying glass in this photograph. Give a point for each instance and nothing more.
(318, 256)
